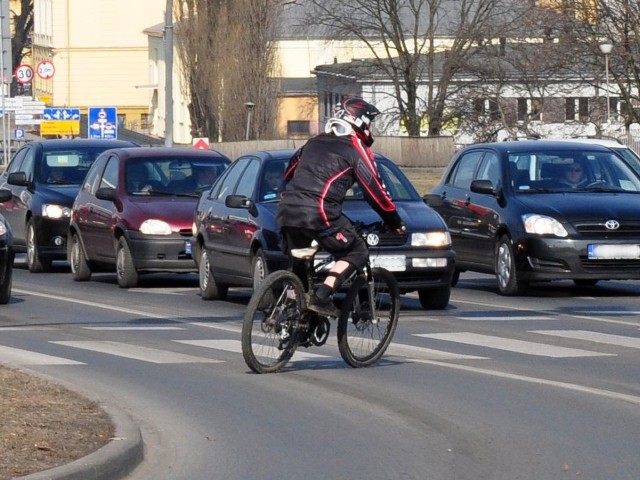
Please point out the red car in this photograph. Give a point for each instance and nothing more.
(134, 212)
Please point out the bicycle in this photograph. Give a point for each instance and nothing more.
(277, 321)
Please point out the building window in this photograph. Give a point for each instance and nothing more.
(529, 109)
(487, 107)
(298, 127)
(577, 108)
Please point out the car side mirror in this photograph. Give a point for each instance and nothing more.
(433, 200)
(5, 195)
(240, 201)
(237, 201)
(107, 193)
(18, 178)
(483, 186)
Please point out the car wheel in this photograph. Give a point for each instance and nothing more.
(35, 262)
(259, 268)
(585, 283)
(5, 288)
(210, 289)
(506, 273)
(435, 298)
(79, 266)
(125, 269)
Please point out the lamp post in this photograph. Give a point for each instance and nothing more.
(606, 48)
(249, 106)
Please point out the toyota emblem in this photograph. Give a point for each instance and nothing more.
(612, 224)
(373, 239)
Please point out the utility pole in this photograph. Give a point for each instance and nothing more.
(6, 74)
(168, 81)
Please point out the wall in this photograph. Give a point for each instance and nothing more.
(404, 151)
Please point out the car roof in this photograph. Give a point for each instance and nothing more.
(265, 155)
(147, 152)
(516, 146)
(57, 144)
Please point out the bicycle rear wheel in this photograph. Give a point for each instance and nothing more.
(362, 337)
(271, 326)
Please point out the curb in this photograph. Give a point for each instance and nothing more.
(113, 461)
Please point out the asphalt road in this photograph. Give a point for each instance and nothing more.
(537, 387)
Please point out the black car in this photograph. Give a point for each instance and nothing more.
(44, 177)
(6, 253)
(236, 235)
(541, 210)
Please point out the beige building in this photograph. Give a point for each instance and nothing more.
(99, 53)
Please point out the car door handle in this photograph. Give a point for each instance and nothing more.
(467, 200)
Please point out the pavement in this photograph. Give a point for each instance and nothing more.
(113, 461)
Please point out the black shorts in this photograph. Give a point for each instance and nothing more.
(341, 241)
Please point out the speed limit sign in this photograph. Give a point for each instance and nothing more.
(24, 74)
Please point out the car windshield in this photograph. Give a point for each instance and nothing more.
(571, 171)
(171, 176)
(67, 167)
(397, 184)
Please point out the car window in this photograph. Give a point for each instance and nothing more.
(16, 163)
(28, 164)
(599, 171)
(228, 184)
(248, 184)
(490, 168)
(464, 170)
(273, 182)
(68, 167)
(110, 176)
(90, 183)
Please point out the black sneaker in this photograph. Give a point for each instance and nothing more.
(323, 306)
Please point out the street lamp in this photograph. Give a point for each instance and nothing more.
(606, 48)
(249, 106)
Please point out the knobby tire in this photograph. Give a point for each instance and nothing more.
(362, 340)
(270, 330)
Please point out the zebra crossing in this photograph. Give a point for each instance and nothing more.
(428, 346)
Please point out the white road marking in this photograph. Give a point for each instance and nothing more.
(511, 345)
(136, 352)
(411, 351)
(507, 318)
(151, 327)
(26, 357)
(597, 337)
(235, 346)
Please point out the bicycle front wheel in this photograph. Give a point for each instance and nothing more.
(365, 333)
(271, 326)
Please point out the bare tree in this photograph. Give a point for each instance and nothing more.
(616, 22)
(22, 31)
(399, 33)
(227, 50)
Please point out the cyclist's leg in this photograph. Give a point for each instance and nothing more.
(350, 252)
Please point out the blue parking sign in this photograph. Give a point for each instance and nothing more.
(103, 123)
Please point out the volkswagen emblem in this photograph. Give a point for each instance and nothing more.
(612, 224)
(373, 239)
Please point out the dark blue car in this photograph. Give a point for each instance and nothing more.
(44, 177)
(236, 235)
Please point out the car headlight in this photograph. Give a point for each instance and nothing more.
(543, 225)
(51, 210)
(155, 227)
(194, 229)
(431, 239)
(3, 229)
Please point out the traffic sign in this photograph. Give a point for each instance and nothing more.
(45, 69)
(18, 133)
(103, 122)
(60, 121)
(201, 143)
(24, 74)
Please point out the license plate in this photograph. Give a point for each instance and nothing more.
(187, 247)
(613, 252)
(393, 263)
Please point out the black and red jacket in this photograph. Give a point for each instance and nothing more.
(319, 176)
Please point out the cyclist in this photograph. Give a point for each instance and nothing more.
(318, 176)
